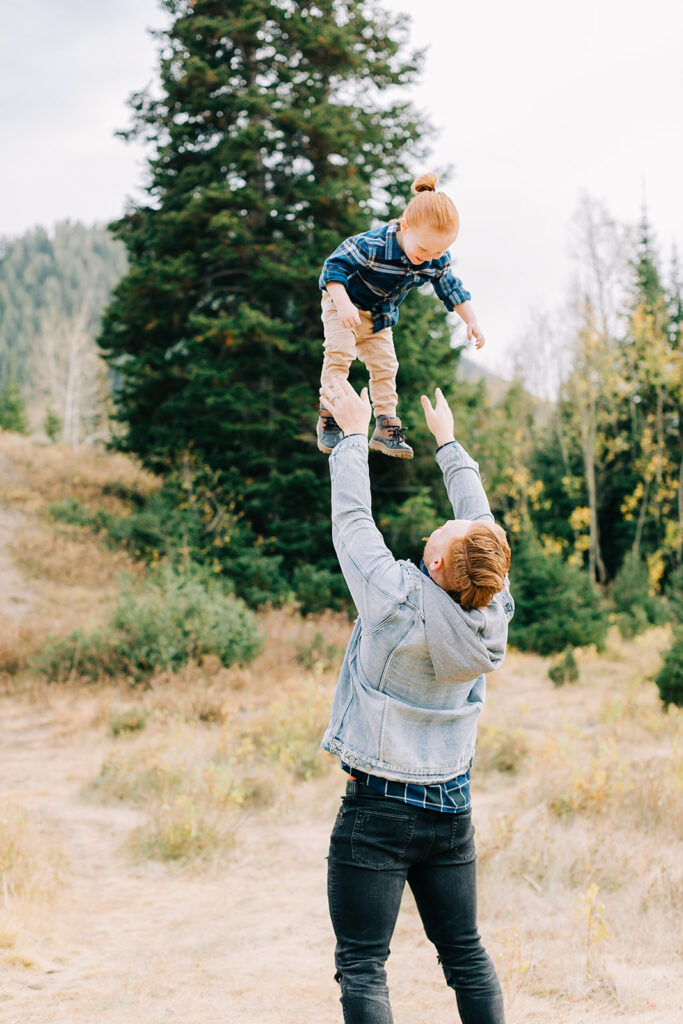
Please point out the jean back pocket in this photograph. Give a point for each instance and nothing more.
(380, 839)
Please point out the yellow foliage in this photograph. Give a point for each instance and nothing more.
(580, 518)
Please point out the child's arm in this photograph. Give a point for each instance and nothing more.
(466, 313)
(346, 260)
(456, 298)
(348, 313)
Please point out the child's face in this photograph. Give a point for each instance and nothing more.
(421, 242)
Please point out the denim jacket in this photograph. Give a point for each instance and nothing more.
(412, 684)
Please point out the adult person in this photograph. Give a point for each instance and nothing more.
(403, 721)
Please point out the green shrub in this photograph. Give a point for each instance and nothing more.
(670, 677)
(556, 604)
(635, 606)
(178, 618)
(320, 654)
(131, 720)
(633, 622)
(565, 670)
(319, 589)
(165, 528)
(13, 409)
(52, 425)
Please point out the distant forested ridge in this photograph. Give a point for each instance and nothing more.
(53, 288)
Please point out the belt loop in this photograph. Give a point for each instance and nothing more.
(352, 788)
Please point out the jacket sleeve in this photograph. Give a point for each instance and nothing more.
(467, 496)
(463, 484)
(372, 574)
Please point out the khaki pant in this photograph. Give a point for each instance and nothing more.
(344, 344)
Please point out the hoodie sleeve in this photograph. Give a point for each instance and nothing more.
(372, 574)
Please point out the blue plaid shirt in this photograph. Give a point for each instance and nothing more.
(451, 797)
(378, 275)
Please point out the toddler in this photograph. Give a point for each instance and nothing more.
(363, 283)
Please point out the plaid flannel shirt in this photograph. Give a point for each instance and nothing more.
(451, 797)
(378, 275)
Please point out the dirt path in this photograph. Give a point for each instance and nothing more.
(131, 943)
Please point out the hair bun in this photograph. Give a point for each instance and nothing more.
(425, 183)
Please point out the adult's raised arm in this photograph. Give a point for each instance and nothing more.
(460, 472)
(372, 574)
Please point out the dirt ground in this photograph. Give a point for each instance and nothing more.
(247, 941)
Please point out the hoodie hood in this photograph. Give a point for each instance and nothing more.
(463, 644)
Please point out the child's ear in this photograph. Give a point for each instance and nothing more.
(403, 223)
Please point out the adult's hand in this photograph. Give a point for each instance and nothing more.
(351, 411)
(439, 418)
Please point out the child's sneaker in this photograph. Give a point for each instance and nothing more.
(328, 430)
(390, 438)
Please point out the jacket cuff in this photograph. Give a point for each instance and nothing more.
(453, 454)
(349, 443)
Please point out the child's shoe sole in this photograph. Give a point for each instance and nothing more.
(394, 453)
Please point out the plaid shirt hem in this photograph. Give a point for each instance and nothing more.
(450, 797)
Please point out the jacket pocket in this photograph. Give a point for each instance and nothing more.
(380, 839)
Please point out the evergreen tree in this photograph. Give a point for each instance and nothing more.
(275, 136)
(670, 677)
(556, 604)
(13, 409)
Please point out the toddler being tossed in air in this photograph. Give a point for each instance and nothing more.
(363, 283)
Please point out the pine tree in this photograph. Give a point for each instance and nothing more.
(276, 136)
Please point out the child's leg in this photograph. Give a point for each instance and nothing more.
(340, 344)
(378, 354)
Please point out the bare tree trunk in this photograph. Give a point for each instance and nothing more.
(679, 542)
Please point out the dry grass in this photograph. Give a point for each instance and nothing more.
(32, 865)
(585, 857)
(39, 475)
(70, 556)
(196, 762)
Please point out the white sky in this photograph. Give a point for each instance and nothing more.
(535, 102)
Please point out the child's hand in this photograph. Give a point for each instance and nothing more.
(346, 311)
(351, 411)
(348, 314)
(475, 331)
(439, 419)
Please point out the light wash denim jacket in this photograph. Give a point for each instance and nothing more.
(412, 685)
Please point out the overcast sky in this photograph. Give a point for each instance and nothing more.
(535, 102)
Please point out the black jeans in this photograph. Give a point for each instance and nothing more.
(378, 844)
